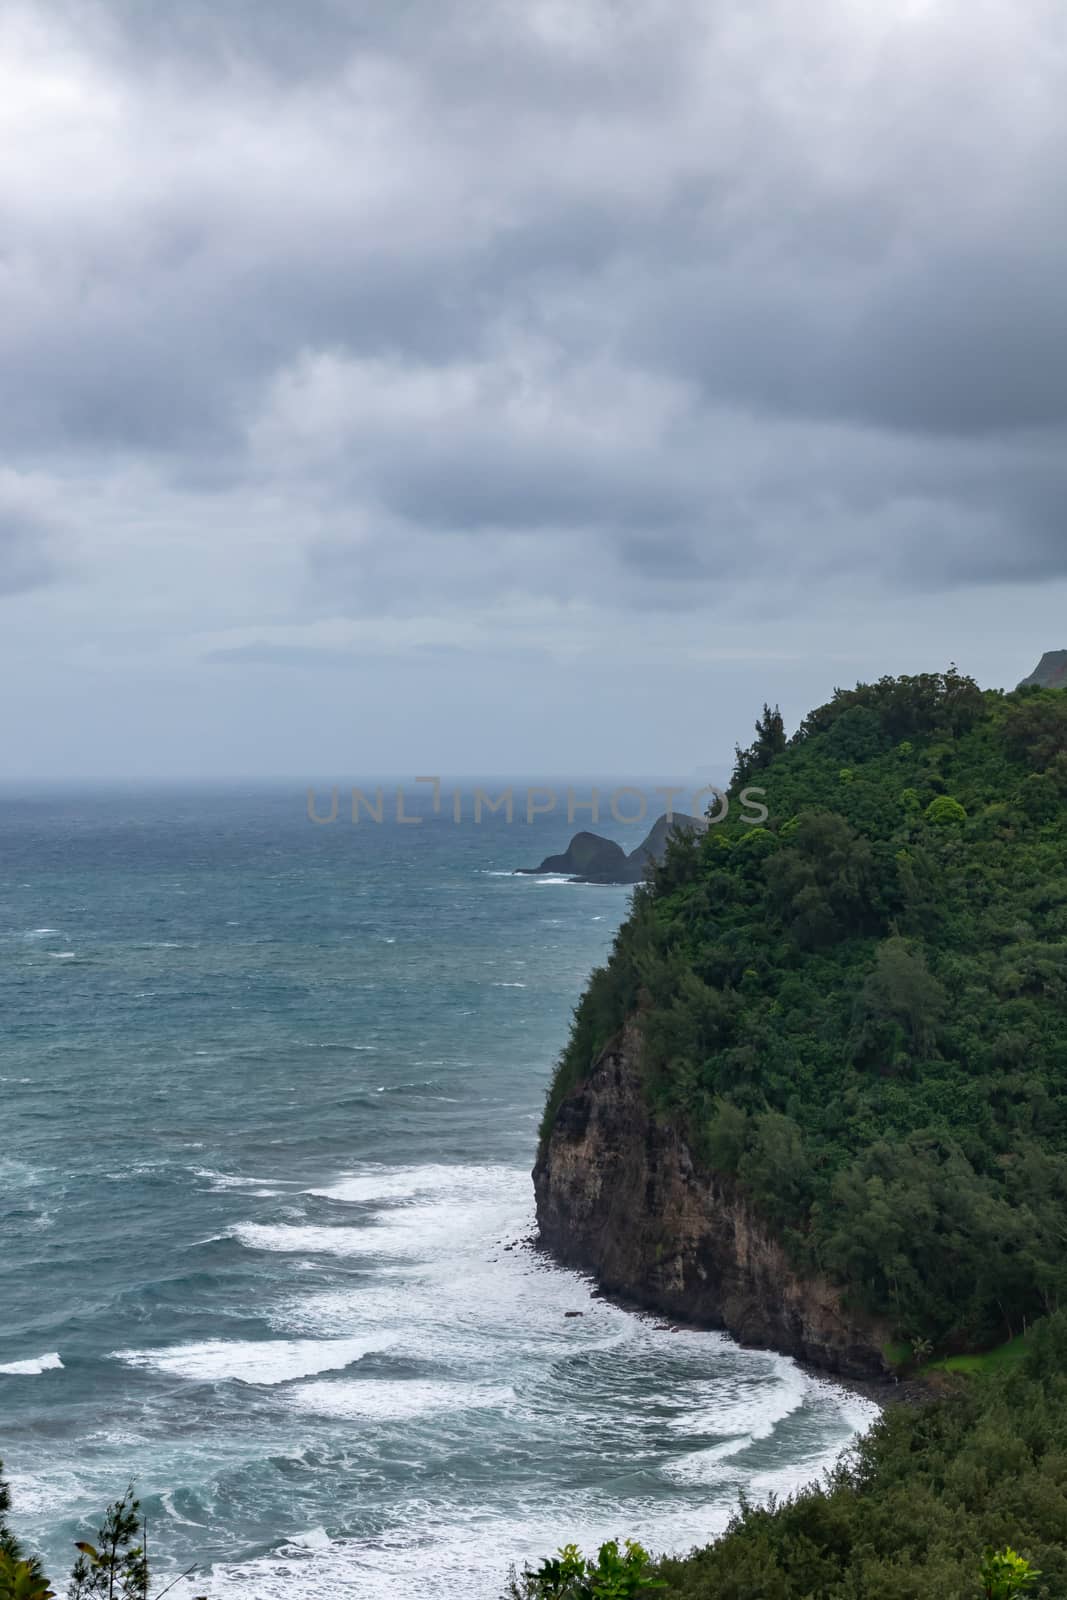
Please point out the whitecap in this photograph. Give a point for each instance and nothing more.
(221, 1181)
(255, 1361)
(166, 1500)
(754, 1404)
(61, 955)
(401, 1399)
(509, 986)
(705, 1467)
(314, 1539)
(309, 1239)
(30, 1369)
(379, 1182)
(427, 1230)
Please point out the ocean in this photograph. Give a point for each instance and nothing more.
(269, 1096)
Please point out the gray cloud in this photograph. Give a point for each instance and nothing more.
(25, 560)
(535, 324)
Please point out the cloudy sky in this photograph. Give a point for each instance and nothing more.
(398, 386)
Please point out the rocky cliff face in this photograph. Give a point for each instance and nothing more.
(1050, 672)
(618, 1195)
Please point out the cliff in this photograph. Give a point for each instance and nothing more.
(1050, 672)
(619, 1196)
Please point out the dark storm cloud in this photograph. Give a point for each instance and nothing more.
(631, 303)
(967, 342)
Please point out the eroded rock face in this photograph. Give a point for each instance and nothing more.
(618, 1195)
(1050, 672)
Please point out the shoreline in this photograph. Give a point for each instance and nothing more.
(882, 1392)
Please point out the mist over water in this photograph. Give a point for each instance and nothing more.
(269, 1098)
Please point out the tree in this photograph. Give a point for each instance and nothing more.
(22, 1580)
(821, 884)
(944, 811)
(8, 1543)
(615, 1575)
(769, 742)
(118, 1569)
(20, 1576)
(900, 1007)
(1005, 1574)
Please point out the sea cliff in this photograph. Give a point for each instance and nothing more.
(620, 1196)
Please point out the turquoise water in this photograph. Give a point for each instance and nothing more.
(269, 1096)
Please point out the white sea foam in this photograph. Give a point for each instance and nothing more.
(467, 1552)
(221, 1181)
(167, 1502)
(300, 1238)
(483, 1328)
(30, 1369)
(61, 955)
(39, 1493)
(409, 1231)
(399, 1399)
(379, 1182)
(267, 1361)
(749, 1405)
(706, 1467)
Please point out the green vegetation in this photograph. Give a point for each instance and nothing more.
(859, 1009)
(115, 1568)
(117, 1565)
(1005, 1573)
(20, 1575)
(614, 1575)
(1005, 1355)
(20, 1580)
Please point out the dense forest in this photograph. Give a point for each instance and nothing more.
(857, 1008)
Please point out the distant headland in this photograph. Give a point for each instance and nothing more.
(590, 858)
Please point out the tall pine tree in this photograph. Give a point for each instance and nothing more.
(769, 742)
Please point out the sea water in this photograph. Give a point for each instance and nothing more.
(269, 1095)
